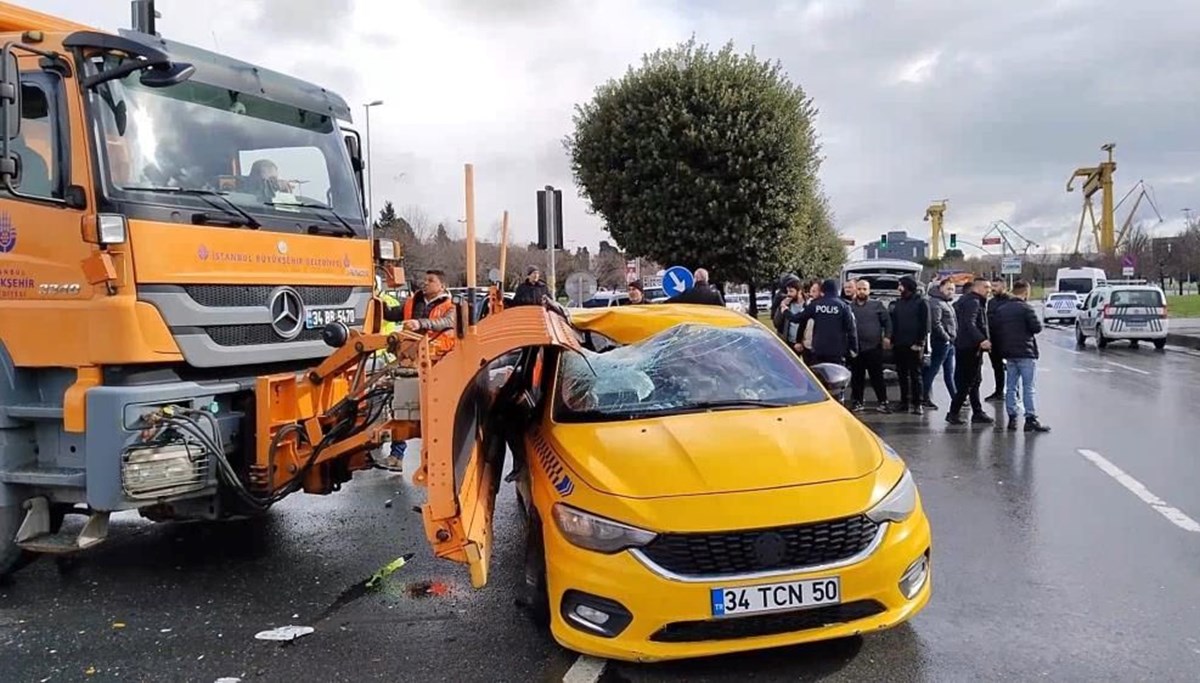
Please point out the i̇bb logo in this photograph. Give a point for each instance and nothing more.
(8, 234)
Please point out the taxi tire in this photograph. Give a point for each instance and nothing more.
(535, 593)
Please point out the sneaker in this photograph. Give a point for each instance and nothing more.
(954, 418)
(917, 409)
(995, 397)
(884, 408)
(856, 407)
(1032, 425)
(982, 418)
(1012, 423)
(901, 407)
(928, 405)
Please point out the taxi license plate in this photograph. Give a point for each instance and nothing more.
(320, 318)
(775, 597)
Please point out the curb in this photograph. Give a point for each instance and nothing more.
(1187, 341)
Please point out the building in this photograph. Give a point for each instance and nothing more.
(899, 246)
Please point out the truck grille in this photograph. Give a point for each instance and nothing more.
(250, 335)
(240, 296)
(746, 552)
(766, 624)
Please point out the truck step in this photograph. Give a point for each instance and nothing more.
(35, 411)
(74, 477)
(35, 536)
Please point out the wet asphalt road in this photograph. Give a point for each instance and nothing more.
(1046, 567)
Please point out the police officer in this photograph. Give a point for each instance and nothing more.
(835, 335)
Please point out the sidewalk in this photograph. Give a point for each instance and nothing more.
(1184, 332)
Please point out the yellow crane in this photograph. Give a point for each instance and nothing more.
(1098, 179)
(934, 215)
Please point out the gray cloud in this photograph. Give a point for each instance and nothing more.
(302, 19)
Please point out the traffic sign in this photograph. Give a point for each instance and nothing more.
(991, 241)
(847, 242)
(494, 275)
(1010, 265)
(581, 286)
(677, 280)
(1127, 271)
(1128, 264)
(631, 271)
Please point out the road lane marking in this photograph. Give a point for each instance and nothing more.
(1174, 515)
(585, 670)
(1126, 367)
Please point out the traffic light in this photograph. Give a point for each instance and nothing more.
(883, 241)
(953, 240)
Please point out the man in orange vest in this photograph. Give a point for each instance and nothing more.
(429, 310)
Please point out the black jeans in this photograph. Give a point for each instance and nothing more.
(968, 375)
(869, 362)
(998, 371)
(908, 367)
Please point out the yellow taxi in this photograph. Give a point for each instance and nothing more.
(691, 488)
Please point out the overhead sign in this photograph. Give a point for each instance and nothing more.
(677, 280)
(581, 286)
(1010, 265)
(992, 241)
(848, 241)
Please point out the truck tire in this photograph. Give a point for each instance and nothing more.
(12, 558)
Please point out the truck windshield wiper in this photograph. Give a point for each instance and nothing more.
(321, 207)
(204, 196)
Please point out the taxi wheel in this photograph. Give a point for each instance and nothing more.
(535, 594)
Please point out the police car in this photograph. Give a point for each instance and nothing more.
(1132, 312)
(1061, 307)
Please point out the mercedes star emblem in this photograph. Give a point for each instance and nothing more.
(287, 313)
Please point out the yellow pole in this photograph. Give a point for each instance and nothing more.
(470, 182)
(503, 251)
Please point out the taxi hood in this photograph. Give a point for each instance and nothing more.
(721, 451)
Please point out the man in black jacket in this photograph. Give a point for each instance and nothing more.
(873, 326)
(700, 293)
(999, 298)
(970, 312)
(532, 289)
(1014, 326)
(835, 336)
(910, 333)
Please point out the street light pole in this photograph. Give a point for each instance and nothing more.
(370, 168)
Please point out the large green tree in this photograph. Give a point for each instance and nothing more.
(701, 158)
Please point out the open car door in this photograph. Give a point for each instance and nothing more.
(462, 458)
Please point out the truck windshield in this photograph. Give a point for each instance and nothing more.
(686, 368)
(182, 144)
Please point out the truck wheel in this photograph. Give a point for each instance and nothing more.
(12, 558)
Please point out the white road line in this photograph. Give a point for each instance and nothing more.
(585, 670)
(1126, 367)
(1174, 515)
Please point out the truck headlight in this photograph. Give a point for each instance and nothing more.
(158, 471)
(898, 504)
(596, 533)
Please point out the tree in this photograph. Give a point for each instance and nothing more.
(700, 158)
(818, 245)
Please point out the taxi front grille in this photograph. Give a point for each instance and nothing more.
(245, 296)
(747, 552)
(251, 335)
(732, 628)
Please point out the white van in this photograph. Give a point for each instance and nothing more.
(1116, 311)
(1079, 281)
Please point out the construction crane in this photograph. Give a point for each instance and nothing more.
(1098, 179)
(934, 214)
(1124, 235)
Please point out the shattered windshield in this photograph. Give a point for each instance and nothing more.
(686, 368)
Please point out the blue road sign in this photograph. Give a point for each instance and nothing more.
(677, 280)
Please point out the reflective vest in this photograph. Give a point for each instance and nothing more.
(389, 302)
(440, 341)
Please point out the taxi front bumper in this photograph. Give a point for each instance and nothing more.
(654, 617)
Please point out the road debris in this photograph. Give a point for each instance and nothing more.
(285, 633)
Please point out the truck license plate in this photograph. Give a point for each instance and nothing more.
(317, 319)
(773, 597)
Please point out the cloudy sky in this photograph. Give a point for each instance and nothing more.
(989, 104)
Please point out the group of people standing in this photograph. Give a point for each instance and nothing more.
(924, 335)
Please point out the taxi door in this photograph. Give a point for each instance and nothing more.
(467, 399)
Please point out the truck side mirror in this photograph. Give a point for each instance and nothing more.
(10, 94)
(354, 148)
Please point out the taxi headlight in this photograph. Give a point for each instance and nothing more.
(898, 504)
(596, 533)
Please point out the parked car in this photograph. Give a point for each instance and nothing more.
(1062, 307)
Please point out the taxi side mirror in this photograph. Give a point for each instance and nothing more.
(834, 377)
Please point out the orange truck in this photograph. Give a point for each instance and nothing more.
(175, 226)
